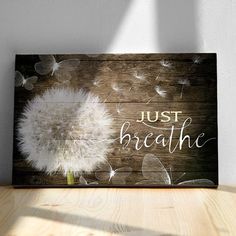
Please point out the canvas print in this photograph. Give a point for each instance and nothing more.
(115, 120)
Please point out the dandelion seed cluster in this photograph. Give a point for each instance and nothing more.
(65, 130)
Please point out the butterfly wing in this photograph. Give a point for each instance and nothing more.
(69, 65)
(29, 82)
(65, 67)
(147, 182)
(103, 173)
(121, 174)
(197, 182)
(45, 66)
(18, 79)
(82, 180)
(153, 169)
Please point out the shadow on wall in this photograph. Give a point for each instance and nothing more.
(68, 27)
(177, 25)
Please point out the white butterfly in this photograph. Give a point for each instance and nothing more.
(83, 181)
(155, 173)
(117, 176)
(48, 64)
(27, 83)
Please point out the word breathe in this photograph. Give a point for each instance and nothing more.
(152, 139)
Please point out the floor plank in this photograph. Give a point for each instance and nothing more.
(117, 211)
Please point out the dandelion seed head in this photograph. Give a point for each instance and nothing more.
(72, 133)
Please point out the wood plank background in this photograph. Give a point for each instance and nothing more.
(199, 101)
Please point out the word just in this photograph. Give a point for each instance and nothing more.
(151, 139)
(164, 116)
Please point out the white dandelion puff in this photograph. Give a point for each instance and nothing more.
(183, 82)
(166, 64)
(65, 130)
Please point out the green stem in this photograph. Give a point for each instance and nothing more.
(70, 178)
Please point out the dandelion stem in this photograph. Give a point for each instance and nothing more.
(70, 178)
(150, 99)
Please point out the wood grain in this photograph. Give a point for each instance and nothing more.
(191, 212)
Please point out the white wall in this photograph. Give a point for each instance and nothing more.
(71, 26)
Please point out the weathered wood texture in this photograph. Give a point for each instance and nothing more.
(98, 73)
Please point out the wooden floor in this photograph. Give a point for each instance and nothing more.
(118, 211)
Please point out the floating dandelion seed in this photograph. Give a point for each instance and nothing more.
(96, 82)
(159, 175)
(140, 77)
(183, 82)
(118, 108)
(117, 176)
(65, 130)
(48, 64)
(159, 91)
(27, 83)
(166, 64)
(115, 88)
(197, 60)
